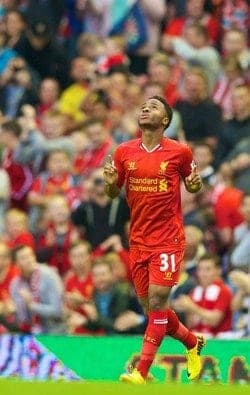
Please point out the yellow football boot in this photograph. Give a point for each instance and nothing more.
(194, 359)
(133, 377)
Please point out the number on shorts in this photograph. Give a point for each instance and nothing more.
(167, 262)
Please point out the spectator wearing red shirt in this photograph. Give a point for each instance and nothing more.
(7, 273)
(17, 230)
(48, 95)
(208, 306)
(194, 14)
(56, 180)
(78, 283)
(227, 214)
(19, 175)
(99, 146)
(160, 71)
(53, 246)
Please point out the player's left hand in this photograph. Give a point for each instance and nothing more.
(193, 182)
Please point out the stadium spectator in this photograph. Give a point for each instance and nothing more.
(15, 26)
(160, 71)
(112, 309)
(234, 43)
(236, 128)
(204, 157)
(99, 216)
(78, 283)
(194, 48)
(201, 117)
(57, 179)
(99, 145)
(6, 53)
(195, 12)
(50, 10)
(16, 230)
(53, 246)
(208, 307)
(240, 254)
(19, 175)
(240, 302)
(48, 96)
(37, 294)
(16, 88)
(72, 97)
(40, 50)
(231, 76)
(194, 248)
(7, 273)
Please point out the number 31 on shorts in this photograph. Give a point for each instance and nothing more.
(168, 262)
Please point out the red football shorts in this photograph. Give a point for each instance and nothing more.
(158, 267)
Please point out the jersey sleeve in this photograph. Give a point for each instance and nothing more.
(187, 161)
(118, 163)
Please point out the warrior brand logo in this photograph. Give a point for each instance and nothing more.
(131, 165)
(163, 167)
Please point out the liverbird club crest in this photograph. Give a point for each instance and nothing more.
(163, 167)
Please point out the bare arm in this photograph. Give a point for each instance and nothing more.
(110, 176)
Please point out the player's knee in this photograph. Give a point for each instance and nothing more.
(157, 302)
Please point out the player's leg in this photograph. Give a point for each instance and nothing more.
(193, 343)
(164, 270)
(156, 328)
(139, 270)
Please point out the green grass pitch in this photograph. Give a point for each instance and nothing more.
(11, 387)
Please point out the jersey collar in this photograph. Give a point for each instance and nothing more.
(157, 147)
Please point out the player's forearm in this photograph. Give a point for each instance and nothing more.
(112, 190)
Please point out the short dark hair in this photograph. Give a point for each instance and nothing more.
(211, 257)
(12, 127)
(167, 107)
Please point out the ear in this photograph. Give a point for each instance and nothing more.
(165, 121)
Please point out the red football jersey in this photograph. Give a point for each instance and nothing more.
(152, 182)
(216, 296)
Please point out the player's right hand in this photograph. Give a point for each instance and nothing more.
(110, 174)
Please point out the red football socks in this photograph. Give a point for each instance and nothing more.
(178, 331)
(155, 332)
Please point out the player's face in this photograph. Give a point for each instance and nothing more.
(152, 115)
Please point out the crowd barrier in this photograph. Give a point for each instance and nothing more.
(104, 358)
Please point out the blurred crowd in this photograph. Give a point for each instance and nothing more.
(73, 74)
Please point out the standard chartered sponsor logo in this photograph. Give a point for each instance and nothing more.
(163, 186)
(147, 184)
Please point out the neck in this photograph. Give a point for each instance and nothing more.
(151, 139)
